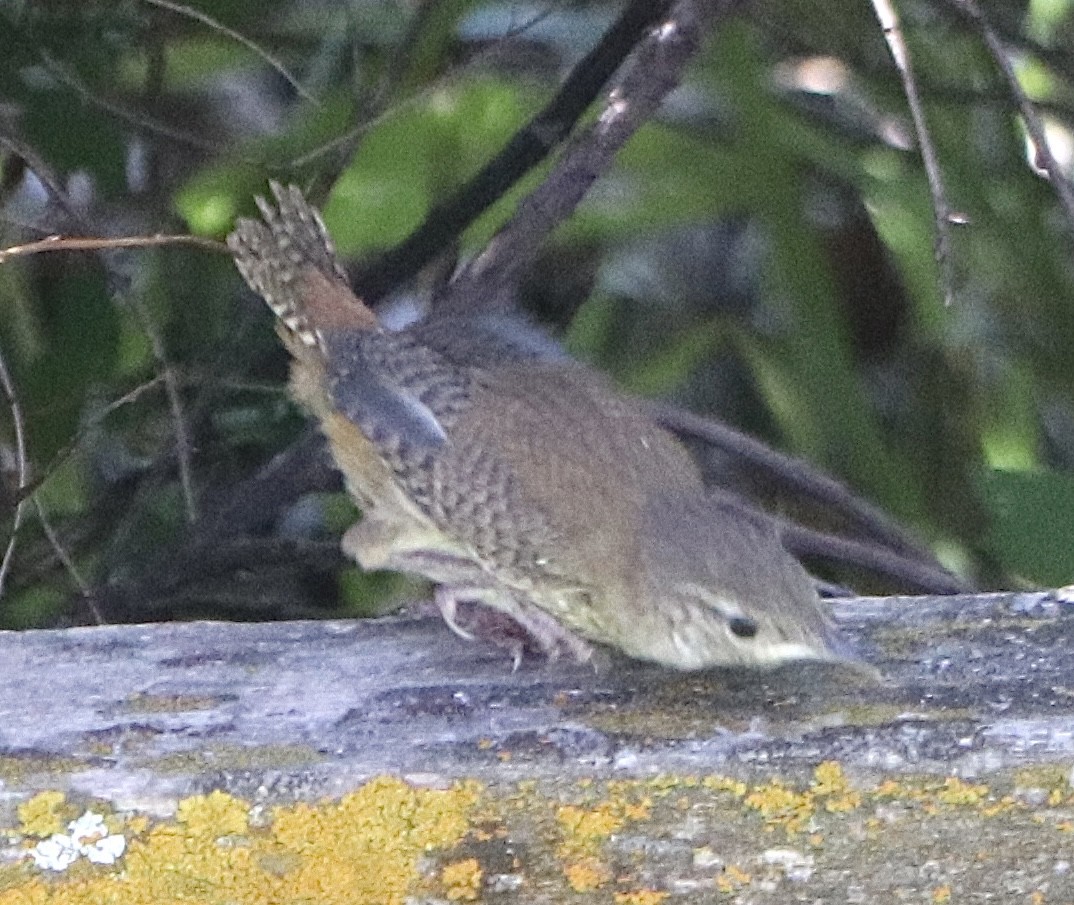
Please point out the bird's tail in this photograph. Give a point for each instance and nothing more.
(289, 260)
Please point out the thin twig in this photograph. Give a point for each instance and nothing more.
(44, 174)
(346, 143)
(156, 342)
(71, 243)
(126, 399)
(65, 453)
(171, 385)
(65, 559)
(942, 213)
(147, 123)
(208, 20)
(183, 445)
(1042, 148)
(21, 464)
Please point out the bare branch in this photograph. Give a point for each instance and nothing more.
(156, 342)
(68, 243)
(345, 144)
(60, 72)
(65, 453)
(1045, 159)
(21, 464)
(171, 385)
(65, 559)
(942, 213)
(44, 174)
(212, 23)
(654, 71)
(527, 148)
(183, 445)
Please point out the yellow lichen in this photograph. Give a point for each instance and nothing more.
(831, 783)
(664, 781)
(725, 784)
(1005, 804)
(958, 792)
(44, 814)
(462, 880)
(216, 814)
(732, 878)
(1045, 776)
(17, 769)
(583, 827)
(363, 849)
(583, 830)
(953, 792)
(782, 806)
(586, 874)
(374, 845)
(135, 825)
(640, 897)
(235, 757)
(889, 788)
(161, 703)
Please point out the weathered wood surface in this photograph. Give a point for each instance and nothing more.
(980, 688)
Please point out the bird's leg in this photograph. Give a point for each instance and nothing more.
(550, 635)
(503, 616)
(448, 604)
(484, 620)
(504, 619)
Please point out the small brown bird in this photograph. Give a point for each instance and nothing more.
(513, 477)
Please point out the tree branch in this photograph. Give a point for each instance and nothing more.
(525, 150)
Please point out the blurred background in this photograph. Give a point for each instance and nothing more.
(762, 252)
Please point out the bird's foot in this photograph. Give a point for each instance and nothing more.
(448, 604)
(509, 623)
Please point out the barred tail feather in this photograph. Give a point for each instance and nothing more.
(290, 261)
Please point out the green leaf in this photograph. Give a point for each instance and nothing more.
(210, 201)
(415, 157)
(674, 362)
(384, 194)
(81, 337)
(1032, 523)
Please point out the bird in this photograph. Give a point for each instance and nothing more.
(520, 481)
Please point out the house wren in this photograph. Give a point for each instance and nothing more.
(513, 477)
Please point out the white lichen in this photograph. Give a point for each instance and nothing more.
(86, 837)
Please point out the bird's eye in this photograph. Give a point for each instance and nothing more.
(741, 627)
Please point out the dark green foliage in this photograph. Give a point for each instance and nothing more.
(1031, 523)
